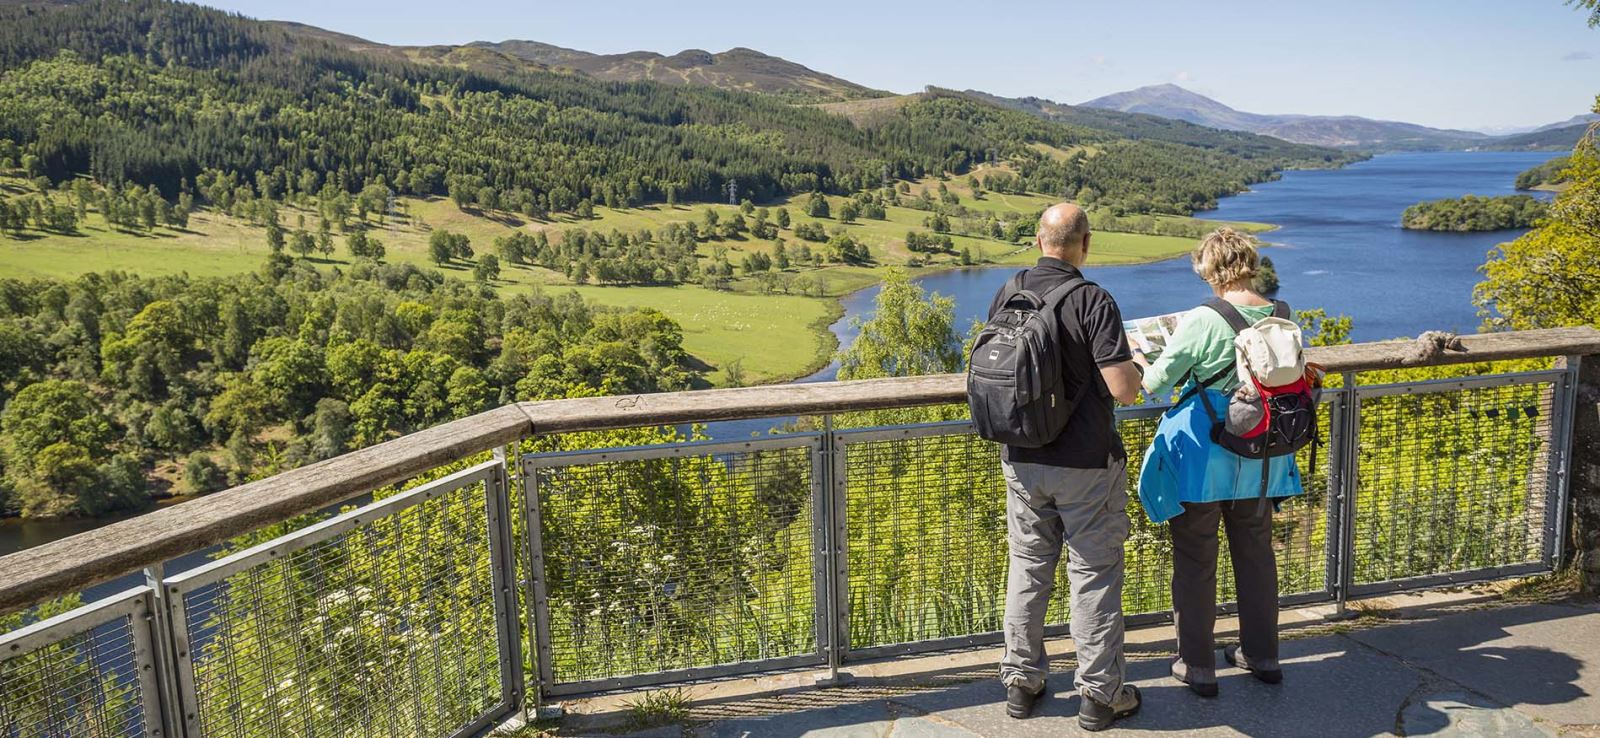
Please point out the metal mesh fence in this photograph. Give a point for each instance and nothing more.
(84, 680)
(926, 531)
(383, 626)
(927, 536)
(1451, 480)
(667, 559)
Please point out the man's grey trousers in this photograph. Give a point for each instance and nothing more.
(1084, 509)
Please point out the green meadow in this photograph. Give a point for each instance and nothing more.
(757, 334)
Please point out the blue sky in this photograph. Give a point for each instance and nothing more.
(1448, 63)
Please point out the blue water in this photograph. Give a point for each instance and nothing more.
(1339, 247)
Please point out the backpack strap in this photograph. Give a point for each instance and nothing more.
(1059, 293)
(1051, 304)
(1280, 310)
(1231, 314)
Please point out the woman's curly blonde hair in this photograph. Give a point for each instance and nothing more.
(1226, 256)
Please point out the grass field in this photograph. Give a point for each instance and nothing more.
(720, 327)
(773, 337)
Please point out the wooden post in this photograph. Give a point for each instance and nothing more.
(1584, 487)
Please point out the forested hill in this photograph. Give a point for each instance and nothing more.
(158, 93)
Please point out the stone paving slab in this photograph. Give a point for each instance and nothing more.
(1465, 714)
(1511, 672)
(1332, 688)
(1542, 660)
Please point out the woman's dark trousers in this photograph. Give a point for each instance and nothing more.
(1194, 582)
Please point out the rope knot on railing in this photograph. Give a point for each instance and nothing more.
(1430, 345)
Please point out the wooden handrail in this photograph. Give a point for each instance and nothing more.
(600, 413)
(73, 563)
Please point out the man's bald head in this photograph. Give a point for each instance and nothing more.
(1064, 232)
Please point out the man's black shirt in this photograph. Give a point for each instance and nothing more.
(1091, 326)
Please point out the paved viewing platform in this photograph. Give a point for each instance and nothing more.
(1465, 663)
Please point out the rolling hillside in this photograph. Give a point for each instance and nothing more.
(735, 69)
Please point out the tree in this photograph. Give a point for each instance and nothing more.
(849, 211)
(817, 206)
(202, 474)
(445, 246)
(783, 217)
(274, 236)
(52, 433)
(487, 269)
(1547, 278)
(910, 333)
(303, 244)
(439, 248)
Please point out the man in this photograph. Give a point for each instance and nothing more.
(1072, 491)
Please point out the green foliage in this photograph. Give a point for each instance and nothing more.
(1550, 173)
(1266, 277)
(1592, 7)
(658, 708)
(1547, 278)
(171, 367)
(1473, 213)
(909, 333)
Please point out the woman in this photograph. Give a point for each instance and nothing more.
(1191, 481)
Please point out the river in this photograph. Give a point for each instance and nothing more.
(1339, 247)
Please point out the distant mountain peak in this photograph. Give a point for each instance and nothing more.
(1347, 131)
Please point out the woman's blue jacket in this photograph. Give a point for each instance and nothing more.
(1183, 464)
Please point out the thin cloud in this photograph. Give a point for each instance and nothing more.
(1578, 56)
(1100, 60)
(1183, 75)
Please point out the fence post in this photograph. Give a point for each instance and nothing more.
(170, 703)
(834, 566)
(537, 594)
(1348, 458)
(503, 564)
(1583, 475)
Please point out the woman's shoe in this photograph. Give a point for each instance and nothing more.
(1270, 676)
(1195, 678)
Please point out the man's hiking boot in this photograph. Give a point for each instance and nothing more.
(1020, 702)
(1202, 682)
(1095, 716)
(1234, 658)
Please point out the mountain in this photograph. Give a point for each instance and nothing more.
(735, 69)
(534, 51)
(169, 95)
(1172, 101)
(1148, 127)
(1576, 120)
(1545, 139)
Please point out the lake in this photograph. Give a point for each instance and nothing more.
(1340, 247)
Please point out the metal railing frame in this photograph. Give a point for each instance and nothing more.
(830, 482)
(157, 611)
(185, 708)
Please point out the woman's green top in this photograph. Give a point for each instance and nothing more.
(1202, 345)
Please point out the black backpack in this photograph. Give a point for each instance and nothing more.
(1016, 385)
